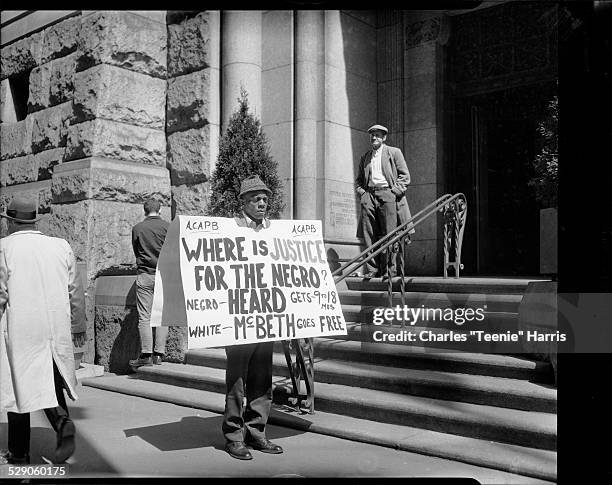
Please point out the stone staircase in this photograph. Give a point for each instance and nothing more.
(492, 410)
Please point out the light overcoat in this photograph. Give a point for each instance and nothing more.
(396, 172)
(42, 304)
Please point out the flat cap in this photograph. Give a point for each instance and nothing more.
(252, 184)
(377, 127)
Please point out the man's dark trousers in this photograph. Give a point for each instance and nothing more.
(378, 218)
(19, 423)
(249, 368)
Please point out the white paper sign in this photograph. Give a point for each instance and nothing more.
(239, 285)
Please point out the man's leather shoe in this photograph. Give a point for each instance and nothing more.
(140, 361)
(265, 446)
(65, 440)
(237, 449)
(7, 458)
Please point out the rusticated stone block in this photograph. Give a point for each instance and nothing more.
(189, 45)
(188, 156)
(190, 200)
(98, 231)
(123, 39)
(120, 95)
(61, 84)
(29, 168)
(46, 160)
(103, 179)
(52, 83)
(40, 83)
(105, 138)
(18, 170)
(117, 338)
(50, 127)
(21, 56)
(70, 222)
(72, 186)
(188, 101)
(16, 139)
(176, 344)
(60, 39)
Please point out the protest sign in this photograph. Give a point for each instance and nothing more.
(232, 285)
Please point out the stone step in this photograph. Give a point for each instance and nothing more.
(523, 428)
(497, 321)
(438, 284)
(492, 391)
(414, 357)
(492, 302)
(535, 463)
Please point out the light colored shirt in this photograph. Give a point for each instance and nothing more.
(248, 222)
(377, 179)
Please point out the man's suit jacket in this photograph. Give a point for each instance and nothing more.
(396, 172)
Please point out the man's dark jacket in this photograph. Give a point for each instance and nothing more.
(147, 240)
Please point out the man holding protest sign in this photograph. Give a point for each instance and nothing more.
(249, 366)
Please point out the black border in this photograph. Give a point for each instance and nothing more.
(585, 192)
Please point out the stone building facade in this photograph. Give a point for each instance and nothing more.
(102, 109)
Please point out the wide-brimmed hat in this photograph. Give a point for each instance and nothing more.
(21, 210)
(378, 127)
(252, 184)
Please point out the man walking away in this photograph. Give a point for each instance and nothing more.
(147, 240)
(41, 305)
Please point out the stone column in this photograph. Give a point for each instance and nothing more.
(193, 107)
(240, 60)
(350, 108)
(423, 98)
(278, 91)
(390, 75)
(309, 106)
(115, 155)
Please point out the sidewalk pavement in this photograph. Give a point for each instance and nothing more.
(133, 437)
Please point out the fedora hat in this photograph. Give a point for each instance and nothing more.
(378, 127)
(21, 210)
(252, 184)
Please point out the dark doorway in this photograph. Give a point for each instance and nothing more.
(502, 64)
(495, 143)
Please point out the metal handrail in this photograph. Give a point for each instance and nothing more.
(450, 204)
(454, 208)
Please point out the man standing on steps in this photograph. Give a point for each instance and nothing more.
(382, 179)
(42, 315)
(147, 240)
(249, 366)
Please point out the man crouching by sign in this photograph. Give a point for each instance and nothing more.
(249, 366)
